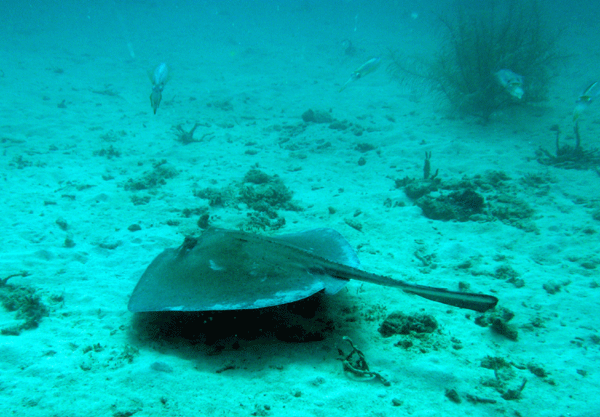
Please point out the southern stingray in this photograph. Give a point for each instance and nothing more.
(233, 270)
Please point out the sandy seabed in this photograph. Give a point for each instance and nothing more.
(84, 159)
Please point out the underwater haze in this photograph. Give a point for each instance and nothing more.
(453, 144)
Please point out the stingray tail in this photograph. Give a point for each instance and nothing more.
(471, 301)
(476, 302)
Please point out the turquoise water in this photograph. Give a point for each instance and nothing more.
(253, 133)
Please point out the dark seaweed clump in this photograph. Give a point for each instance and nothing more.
(498, 321)
(157, 177)
(26, 305)
(480, 41)
(486, 197)
(400, 323)
(460, 205)
(263, 194)
(570, 157)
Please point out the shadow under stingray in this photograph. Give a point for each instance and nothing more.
(307, 320)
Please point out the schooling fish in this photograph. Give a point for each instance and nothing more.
(585, 99)
(159, 79)
(511, 82)
(366, 68)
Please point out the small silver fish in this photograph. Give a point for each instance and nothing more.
(511, 82)
(366, 68)
(159, 79)
(585, 99)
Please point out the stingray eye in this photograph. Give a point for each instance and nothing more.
(189, 243)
